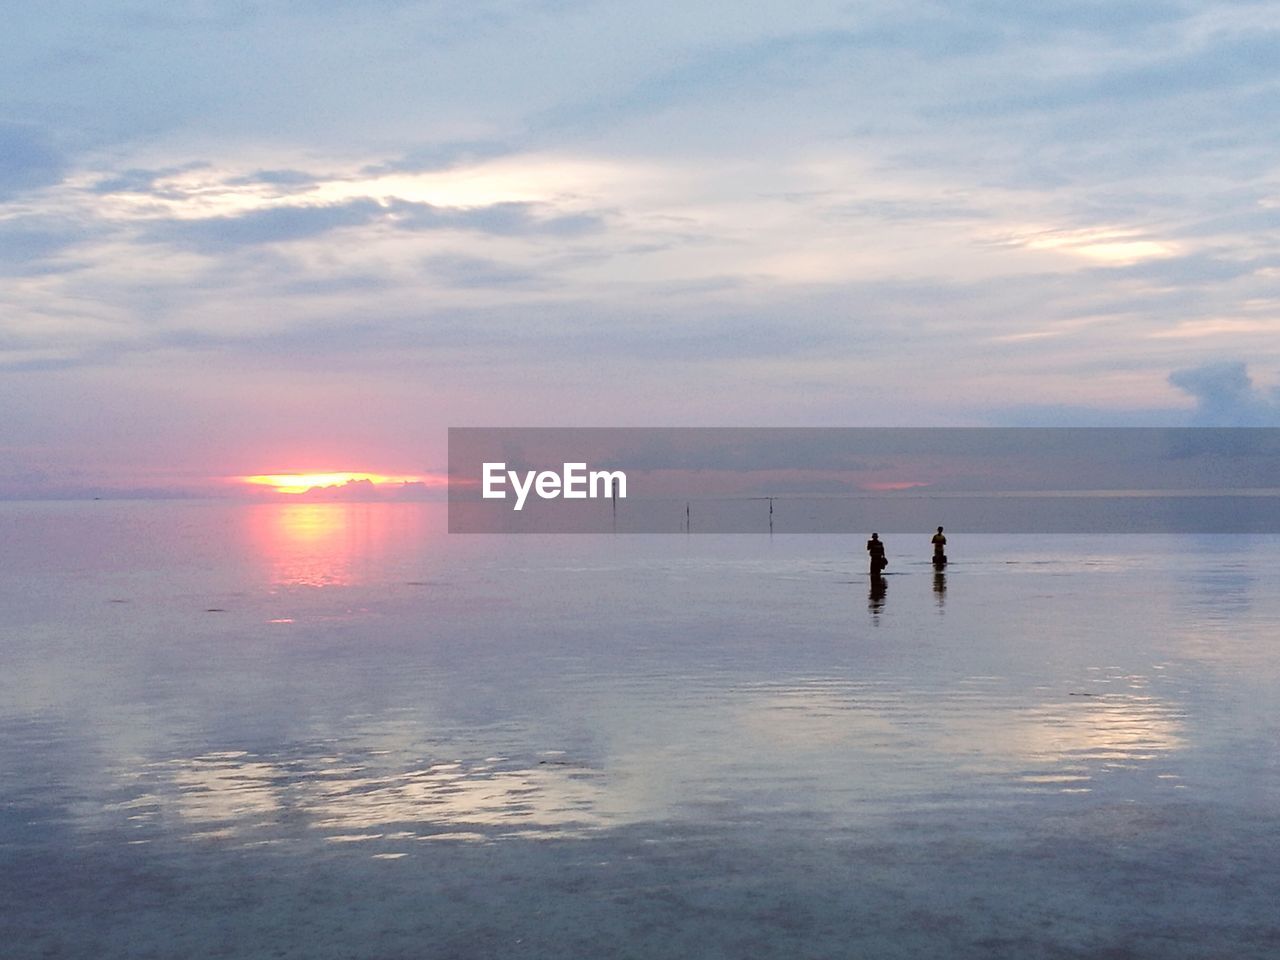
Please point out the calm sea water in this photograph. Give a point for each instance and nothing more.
(333, 730)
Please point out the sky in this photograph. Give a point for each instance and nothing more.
(241, 237)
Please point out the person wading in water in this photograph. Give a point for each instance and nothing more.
(939, 549)
(875, 547)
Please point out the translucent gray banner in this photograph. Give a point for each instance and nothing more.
(855, 480)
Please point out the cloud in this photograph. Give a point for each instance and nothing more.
(28, 243)
(1206, 267)
(437, 157)
(1226, 396)
(1228, 61)
(479, 272)
(366, 490)
(1088, 16)
(289, 223)
(501, 219)
(783, 214)
(277, 178)
(269, 225)
(139, 180)
(27, 160)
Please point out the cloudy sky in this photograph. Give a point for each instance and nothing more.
(263, 236)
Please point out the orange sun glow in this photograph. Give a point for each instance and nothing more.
(302, 482)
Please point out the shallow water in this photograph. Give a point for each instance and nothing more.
(328, 730)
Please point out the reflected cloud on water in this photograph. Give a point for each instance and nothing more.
(1075, 743)
(832, 747)
(238, 796)
(933, 739)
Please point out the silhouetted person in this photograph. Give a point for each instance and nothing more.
(875, 547)
(939, 549)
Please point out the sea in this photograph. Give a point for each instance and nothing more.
(334, 730)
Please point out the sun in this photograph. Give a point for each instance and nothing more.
(302, 482)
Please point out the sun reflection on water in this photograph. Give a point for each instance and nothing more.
(332, 544)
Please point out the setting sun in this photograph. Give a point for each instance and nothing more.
(302, 482)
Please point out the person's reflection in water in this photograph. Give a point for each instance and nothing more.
(940, 587)
(875, 598)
